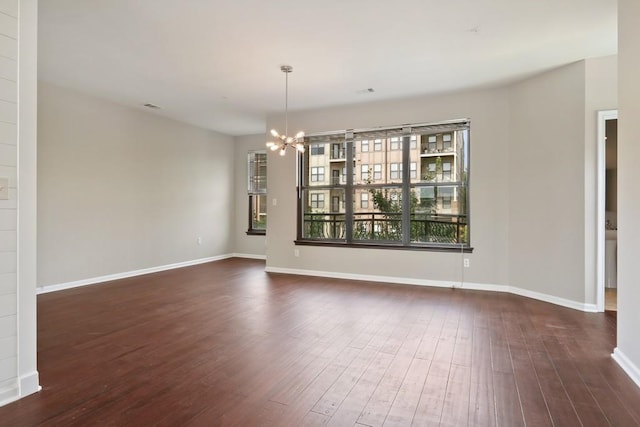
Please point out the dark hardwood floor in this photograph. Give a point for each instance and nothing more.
(227, 344)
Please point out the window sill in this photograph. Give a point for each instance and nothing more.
(430, 247)
(256, 232)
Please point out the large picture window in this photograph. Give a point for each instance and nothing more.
(410, 191)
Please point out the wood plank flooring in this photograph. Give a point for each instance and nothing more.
(226, 344)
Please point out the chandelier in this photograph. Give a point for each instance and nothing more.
(283, 141)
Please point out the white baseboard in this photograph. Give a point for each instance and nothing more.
(249, 256)
(441, 284)
(627, 365)
(590, 308)
(117, 276)
(30, 384)
(9, 392)
(365, 277)
(13, 390)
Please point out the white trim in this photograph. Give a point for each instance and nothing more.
(441, 284)
(249, 256)
(29, 384)
(589, 308)
(601, 167)
(117, 276)
(9, 394)
(627, 365)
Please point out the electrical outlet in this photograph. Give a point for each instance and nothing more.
(274, 201)
(199, 240)
(296, 252)
(466, 263)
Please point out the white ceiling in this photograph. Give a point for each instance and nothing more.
(216, 64)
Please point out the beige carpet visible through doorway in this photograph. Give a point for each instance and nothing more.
(611, 299)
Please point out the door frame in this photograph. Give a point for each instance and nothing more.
(603, 116)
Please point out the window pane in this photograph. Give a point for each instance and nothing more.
(439, 215)
(318, 167)
(257, 166)
(323, 214)
(381, 219)
(317, 149)
(258, 204)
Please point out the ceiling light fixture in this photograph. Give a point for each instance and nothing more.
(283, 141)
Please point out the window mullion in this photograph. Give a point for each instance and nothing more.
(406, 189)
(348, 196)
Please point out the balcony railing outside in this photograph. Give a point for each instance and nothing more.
(380, 226)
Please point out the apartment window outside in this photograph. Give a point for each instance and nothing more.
(317, 200)
(317, 149)
(335, 203)
(432, 143)
(446, 171)
(377, 172)
(395, 171)
(257, 191)
(335, 176)
(364, 146)
(364, 200)
(317, 174)
(413, 198)
(414, 170)
(446, 142)
(364, 172)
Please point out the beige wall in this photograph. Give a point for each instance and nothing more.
(533, 185)
(488, 111)
(546, 183)
(245, 245)
(628, 179)
(121, 189)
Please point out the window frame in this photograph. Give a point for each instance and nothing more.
(408, 185)
(254, 192)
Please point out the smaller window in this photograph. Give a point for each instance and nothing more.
(445, 194)
(335, 177)
(317, 200)
(364, 172)
(335, 204)
(395, 170)
(413, 170)
(364, 200)
(414, 142)
(317, 149)
(377, 171)
(432, 143)
(446, 171)
(377, 145)
(317, 174)
(396, 143)
(364, 146)
(446, 141)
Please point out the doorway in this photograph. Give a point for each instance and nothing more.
(607, 215)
